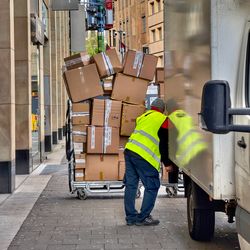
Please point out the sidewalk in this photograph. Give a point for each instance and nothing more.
(58, 220)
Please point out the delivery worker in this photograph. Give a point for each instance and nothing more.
(189, 142)
(143, 159)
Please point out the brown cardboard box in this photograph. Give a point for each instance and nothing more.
(77, 60)
(83, 83)
(79, 147)
(121, 170)
(140, 65)
(81, 107)
(123, 141)
(108, 86)
(79, 129)
(102, 140)
(162, 90)
(107, 63)
(79, 161)
(80, 118)
(129, 89)
(129, 115)
(80, 174)
(79, 138)
(121, 154)
(101, 167)
(159, 75)
(106, 112)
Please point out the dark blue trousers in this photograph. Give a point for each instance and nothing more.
(137, 168)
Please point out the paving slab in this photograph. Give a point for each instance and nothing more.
(59, 220)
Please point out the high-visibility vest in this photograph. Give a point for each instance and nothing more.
(189, 141)
(145, 140)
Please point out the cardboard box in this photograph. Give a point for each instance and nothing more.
(159, 75)
(80, 174)
(121, 154)
(79, 129)
(129, 89)
(102, 140)
(79, 147)
(129, 115)
(123, 141)
(79, 138)
(101, 167)
(80, 113)
(121, 170)
(77, 60)
(162, 90)
(140, 65)
(106, 112)
(79, 161)
(108, 86)
(107, 63)
(83, 83)
(82, 107)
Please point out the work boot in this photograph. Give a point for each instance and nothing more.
(148, 221)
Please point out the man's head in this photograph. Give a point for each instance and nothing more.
(158, 104)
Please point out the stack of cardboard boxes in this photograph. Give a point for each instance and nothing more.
(107, 97)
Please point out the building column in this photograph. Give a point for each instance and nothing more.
(54, 87)
(23, 88)
(59, 72)
(48, 92)
(7, 98)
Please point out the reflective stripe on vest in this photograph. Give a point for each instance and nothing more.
(190, 142)
(146, 149)
(144, 140)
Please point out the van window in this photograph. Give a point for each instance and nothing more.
(247, 73)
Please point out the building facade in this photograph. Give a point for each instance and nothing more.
(138, 25)
(33, 42)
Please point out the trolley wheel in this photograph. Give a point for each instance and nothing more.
(138, 193)
(81, 194)
(171, 192)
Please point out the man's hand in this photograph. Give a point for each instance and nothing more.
(169, 168)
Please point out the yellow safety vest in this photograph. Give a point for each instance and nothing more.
(189, 141)
(144, 140)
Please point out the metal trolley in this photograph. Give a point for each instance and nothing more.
(85, 188)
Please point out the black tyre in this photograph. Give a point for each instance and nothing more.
(200, 220)
(81, 194)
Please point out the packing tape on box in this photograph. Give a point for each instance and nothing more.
(92, 143)
(107, 138)
(79, 161)
(77, 60)
(76, 114)
(138, 62)
(108, 105)
(79, 133)
(108, 64)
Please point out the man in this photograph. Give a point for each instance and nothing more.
(143, 157)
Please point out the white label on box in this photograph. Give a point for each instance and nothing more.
(138, 62)
(77, 174)
(152, 90)
(107, 138)
(108, 104)
(92, 143)
(78, 147)
(107, 84)
(108, 64)
(80, 161)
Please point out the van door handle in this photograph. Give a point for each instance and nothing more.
(241, 143)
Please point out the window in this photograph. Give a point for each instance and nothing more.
(153, 35)
(145, 50)
(143, 19)
(160, 33)
(158, 5)
(247, 73)
(152, 8)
